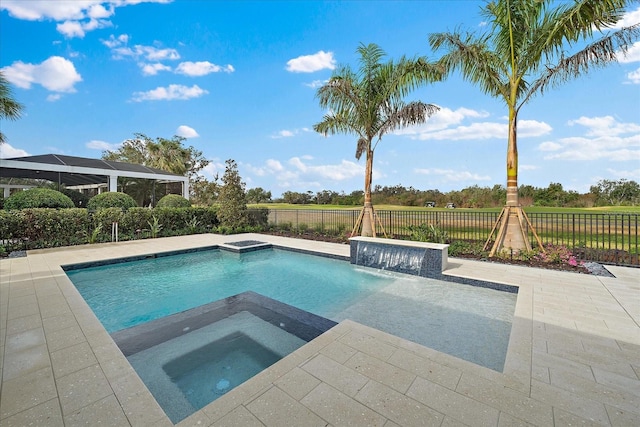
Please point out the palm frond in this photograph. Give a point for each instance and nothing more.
(471, 55)
(595, 55)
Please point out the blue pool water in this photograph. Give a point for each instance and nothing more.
(127, 294)
(473, 323)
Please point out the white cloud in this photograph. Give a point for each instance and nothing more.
(7, 151)
(450, 175)
(549, 146)
(274, 165)
(56, 74)
(632, 55)
(299, 172)
(316, 84)
(186, 132)
(620, 174)
(338, 172)
(169, 93)
(604, 126)
(283, 134)
(528, 167)
(629, 19)
(447, 124)
(201, 68)
(286, 133)
(75, 17)
(153, 69)
(149, 53)
(72, 29)
(53, 97)
(604, 139)
(102, 145)
(114, 42)
(443, 119)
(310, 63)
(634, 77)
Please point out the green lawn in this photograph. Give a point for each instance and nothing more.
(533, 209)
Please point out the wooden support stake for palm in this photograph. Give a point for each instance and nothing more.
(373, 216)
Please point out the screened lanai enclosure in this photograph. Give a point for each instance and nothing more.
(92, 176)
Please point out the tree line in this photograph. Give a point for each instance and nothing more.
(606, 192)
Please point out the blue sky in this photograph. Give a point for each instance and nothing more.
(238, 79)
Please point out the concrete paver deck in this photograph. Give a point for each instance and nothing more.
(573, 357)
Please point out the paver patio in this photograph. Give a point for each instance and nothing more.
(573, 357)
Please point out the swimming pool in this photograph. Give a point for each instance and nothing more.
(469, 322)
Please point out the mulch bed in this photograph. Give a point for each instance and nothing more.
(344, 240)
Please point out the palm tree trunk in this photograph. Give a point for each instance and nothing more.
(512, 162)
(368, 229)
(512, 224)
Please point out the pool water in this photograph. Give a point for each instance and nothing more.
(126, 294)
(469, 322)
(186, 373)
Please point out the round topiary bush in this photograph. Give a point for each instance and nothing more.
(173, 201)
(111, 200)
(37, 198)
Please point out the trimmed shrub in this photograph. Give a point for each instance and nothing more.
(106, 217)
(37, 198)
(174, 220)
(134, 221)
(258, 217)
(47, 228)
(111, 200)
(173, 201)
(206, 217)
(79, 199)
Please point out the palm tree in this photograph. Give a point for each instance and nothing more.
(369, 103)
(523, 54)
(9, 108)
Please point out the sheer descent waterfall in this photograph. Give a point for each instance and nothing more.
(417, 258)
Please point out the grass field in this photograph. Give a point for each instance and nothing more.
(532, 209)
(603, 229)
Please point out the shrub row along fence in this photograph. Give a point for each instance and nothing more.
(600, 237)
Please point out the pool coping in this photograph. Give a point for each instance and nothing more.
(573, 341)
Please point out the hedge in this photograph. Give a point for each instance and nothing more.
(45, 228)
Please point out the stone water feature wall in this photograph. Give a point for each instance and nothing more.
(417, 258)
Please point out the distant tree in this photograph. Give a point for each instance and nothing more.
(204, 192)
(618, 192)
(370, 103)
(258, 195)
(232, 211)
(9, 108)
(523, 53)
(325, 197)
(296, 198)
(166, 154)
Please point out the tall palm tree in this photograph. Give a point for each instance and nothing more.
(9, 108)
(370, 103)
(523, 54)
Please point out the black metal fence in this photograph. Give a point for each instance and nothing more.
(610, 238)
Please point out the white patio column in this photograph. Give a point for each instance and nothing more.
(113, 183)
(185, 189)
